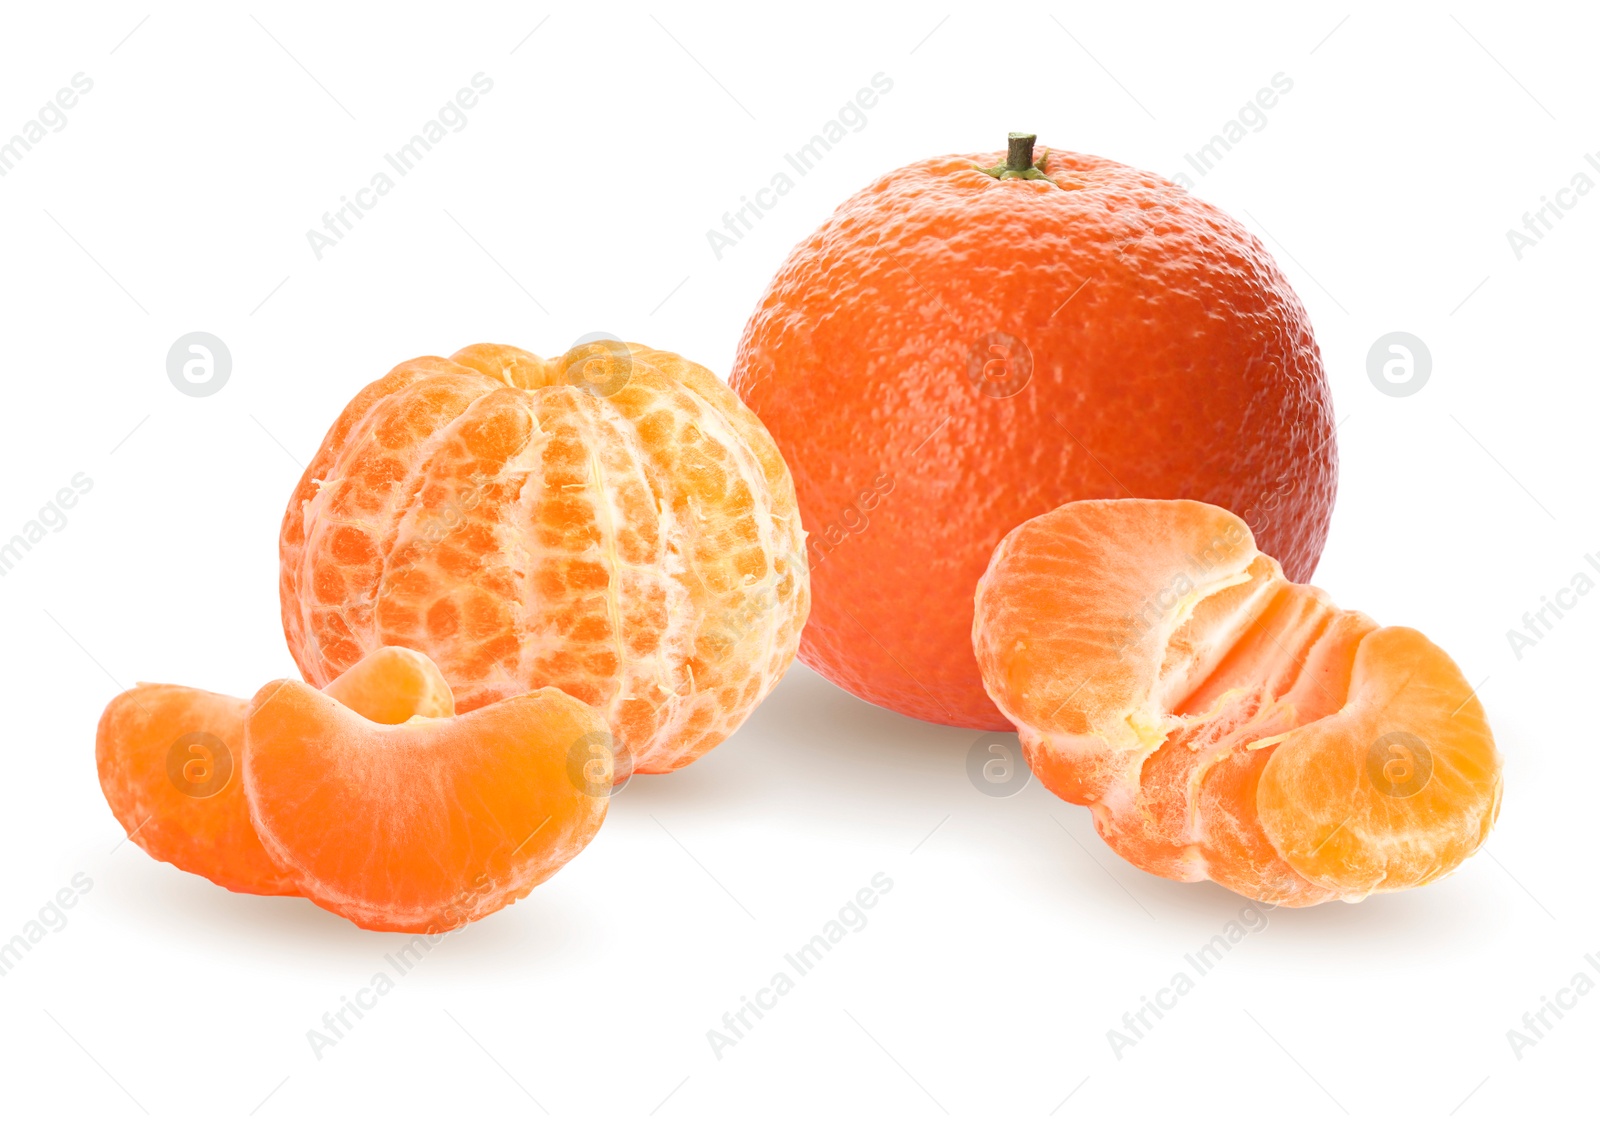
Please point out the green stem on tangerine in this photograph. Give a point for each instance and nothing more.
(1020, 163)
(1019, 151)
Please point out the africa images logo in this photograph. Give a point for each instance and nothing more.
(341, 221)
(852, 118)
(852, 918)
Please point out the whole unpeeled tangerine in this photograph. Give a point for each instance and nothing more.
(963, 346)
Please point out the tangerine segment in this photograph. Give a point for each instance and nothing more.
(169, 759)
(393, 684)
(428, 824)
(1096, 648)
(612, 522)
(1221, 721)
(1365, 799)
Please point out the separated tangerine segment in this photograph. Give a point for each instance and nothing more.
(392, 685)
(168, 763)
(169, 759)
(1222, 722)
(428, 824)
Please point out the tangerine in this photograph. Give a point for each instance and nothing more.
(973, 340)
(613, 522)
(170, 758)
(427, 824)
(1222, 722)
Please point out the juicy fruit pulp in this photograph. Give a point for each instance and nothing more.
(168, 758)
(427, 824)
(613, 522)
(1222, 722)
(371, 798)
(392, 685)
(170, 761)
(952, 353)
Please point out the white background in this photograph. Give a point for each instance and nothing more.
(577, 199)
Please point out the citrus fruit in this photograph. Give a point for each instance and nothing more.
(426, 824)
(613, 522)
(973, 340)
(192, 814)
(1223, 722)
(393, 684)
(169, 760)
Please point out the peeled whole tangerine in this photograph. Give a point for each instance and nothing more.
(169, 758)
(427, 824)
(613, 522)
(1222, 722)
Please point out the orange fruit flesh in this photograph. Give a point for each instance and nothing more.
(392, 685)
(199, 831)
(424, 825)
(1222, 722)
(613, 522)
(170, 765)
(1393, 838)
